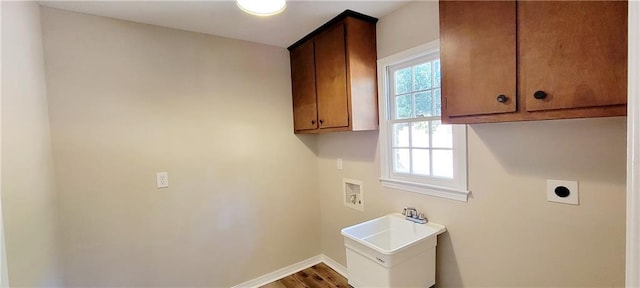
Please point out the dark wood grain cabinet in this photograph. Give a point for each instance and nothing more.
(333, 76)
(532, 60)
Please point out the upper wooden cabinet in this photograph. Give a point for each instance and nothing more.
(532, 60)
(480, 53)
(303, 75)
(333, 76)
(576, 52)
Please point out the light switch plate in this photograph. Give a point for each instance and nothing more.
(562, 191)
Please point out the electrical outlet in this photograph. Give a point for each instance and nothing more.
(162, 180)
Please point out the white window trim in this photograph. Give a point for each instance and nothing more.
(632, 278)
(451, 189)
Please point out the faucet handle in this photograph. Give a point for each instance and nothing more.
(410, 212)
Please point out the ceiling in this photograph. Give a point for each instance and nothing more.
(224, 18)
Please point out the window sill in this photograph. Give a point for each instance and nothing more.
(432, 190)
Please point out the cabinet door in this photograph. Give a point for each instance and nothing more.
(303, 86)
(574, 52)
(331, 77)
(478, 57)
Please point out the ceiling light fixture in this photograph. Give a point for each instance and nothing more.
(262, 7)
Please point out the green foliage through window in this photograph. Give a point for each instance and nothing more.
(421, 143)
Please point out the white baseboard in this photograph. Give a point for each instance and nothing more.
(334, 265)
(291, 269)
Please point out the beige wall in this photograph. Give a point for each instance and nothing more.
(128, 100)
(507, 234)
(413, 24)
(28, 188)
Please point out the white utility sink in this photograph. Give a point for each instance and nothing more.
(391, 251)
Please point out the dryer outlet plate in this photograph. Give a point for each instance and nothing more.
(563, 191)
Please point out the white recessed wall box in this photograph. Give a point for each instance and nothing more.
(353, 194)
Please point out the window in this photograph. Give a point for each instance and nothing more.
(418, 152)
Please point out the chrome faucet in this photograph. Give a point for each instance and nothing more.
(413, 215)
(409, 211)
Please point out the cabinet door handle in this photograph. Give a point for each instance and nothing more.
(313, 121)
(321, 121)
(540, 95)
(502, 98)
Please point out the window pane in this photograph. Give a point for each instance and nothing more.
(422, 76)
(403, 107)
(442, 135)
(403, 81)
(436, 78)
(420, 162)
(423, 104)
(401, 160)
(438, 105)
(420, 134)
(443, 163)
(401, 135)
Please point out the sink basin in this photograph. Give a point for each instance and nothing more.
(391, 233)
(391, 251)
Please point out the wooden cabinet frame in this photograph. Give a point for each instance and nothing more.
(334, 77)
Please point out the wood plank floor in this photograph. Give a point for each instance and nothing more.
(316, 276)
